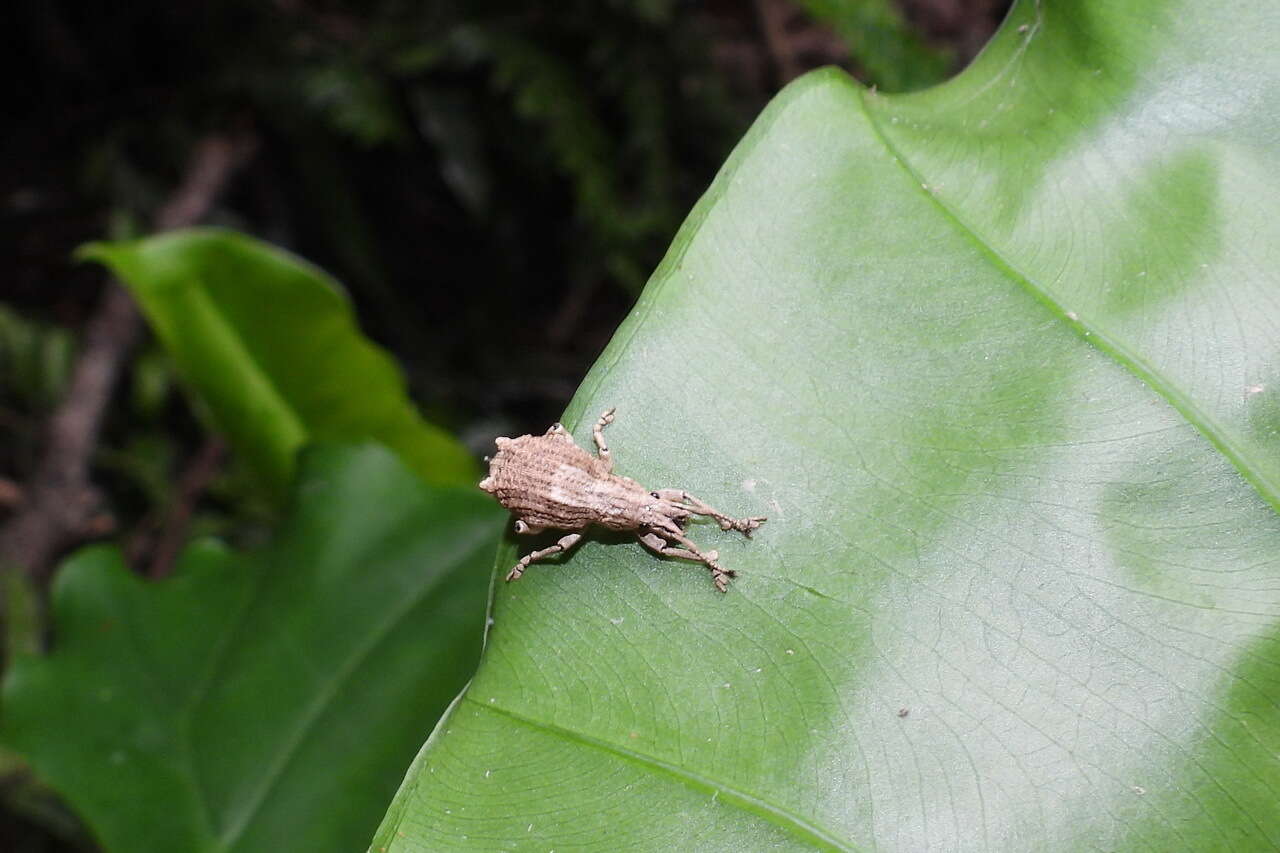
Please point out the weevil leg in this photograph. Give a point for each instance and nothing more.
(597, 432)
(719, 575)
(742, 525)
(658, 545)
(565, 543)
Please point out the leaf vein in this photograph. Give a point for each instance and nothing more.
(1146, 373)
(781, 817)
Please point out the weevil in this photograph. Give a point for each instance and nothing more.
(549, 482)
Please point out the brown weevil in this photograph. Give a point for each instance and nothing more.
(549, 482)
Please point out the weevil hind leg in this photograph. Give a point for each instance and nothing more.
(597, 432)
(565, 543)
(742, 525)
(657, 543)
(662, 547)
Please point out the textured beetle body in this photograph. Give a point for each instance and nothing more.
(549, 482)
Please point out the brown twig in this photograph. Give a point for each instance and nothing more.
(195, 479)
(60, 500)
(10, 493)
(565, 321)
(773, 15)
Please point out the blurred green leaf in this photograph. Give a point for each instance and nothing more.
(268, 700)
(23, 627)
(35, 359)
(145, 460)
(151, 381)
(892, 53)
(270, 344)
(357, 102)
(1000, 361)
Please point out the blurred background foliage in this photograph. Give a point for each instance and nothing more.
(492, 182)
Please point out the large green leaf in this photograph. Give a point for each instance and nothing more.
(270, 344)
(1001, 361)
(265, 701)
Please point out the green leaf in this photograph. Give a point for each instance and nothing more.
(35, 359)
(271, 345)
(269, 700)
(881, 42)
(1001, 362)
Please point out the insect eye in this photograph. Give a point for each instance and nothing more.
(654, 495)
(521, 527)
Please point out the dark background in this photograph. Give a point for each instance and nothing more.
(492, 182)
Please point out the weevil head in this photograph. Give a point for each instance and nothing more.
(662, 514)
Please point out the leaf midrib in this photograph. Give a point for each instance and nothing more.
(1148, 374)
(237, 352)
(809, 832)
(231, 835)
(473, 539)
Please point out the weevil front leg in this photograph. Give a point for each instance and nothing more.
(565, 543)
(597, 432)
(742, 525)
(719, 575)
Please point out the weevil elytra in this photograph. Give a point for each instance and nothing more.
(549, 482)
